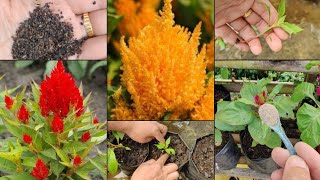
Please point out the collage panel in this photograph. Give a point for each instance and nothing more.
(52, 120)
(266, 112)
(267, 29)
(160, 60)
(161, 150)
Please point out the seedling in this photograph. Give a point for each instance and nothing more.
(218, 137)
(164, 147)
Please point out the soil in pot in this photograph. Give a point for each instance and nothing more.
(220, 93)
(203, 156)
(182, 151)
(259, 151)
(225, 139)
(133, 157)
(44, 36)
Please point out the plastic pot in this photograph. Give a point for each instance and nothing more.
(228, 156)
(263, 165)
(220, 92)
(192, 171)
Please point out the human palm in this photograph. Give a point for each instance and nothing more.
(14, 12)
(237, 30)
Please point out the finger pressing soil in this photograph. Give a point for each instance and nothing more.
(44, 36)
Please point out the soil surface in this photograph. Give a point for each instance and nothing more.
(133, 157)
(44, 36)
(291, 128)
(203, 156)
(225, 140)
(220, 93)
(259, 151)
(177, 144)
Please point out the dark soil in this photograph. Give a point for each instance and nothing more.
(44, 36)
(291, 128)
(135, 156)
(203, 156)
(220, 93)
(225, 140)
(177, 144)
(259, 151)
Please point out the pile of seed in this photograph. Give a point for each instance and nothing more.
(44, 36)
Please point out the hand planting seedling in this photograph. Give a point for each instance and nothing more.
(270, 116)
(164, 147)
(53, 132)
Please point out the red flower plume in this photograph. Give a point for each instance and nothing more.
(58, 92)
(85, 137)
(9, 101)
(57, 125)
(95, 121)
(23, 114)
(77, 160)
(40, 172)
(27, 139)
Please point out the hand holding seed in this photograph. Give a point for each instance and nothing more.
(234, 21)
(53, 33)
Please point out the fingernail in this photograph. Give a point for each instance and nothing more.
(296, 161)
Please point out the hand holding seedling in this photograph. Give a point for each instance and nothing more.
(164, 147)
(236, 20)
(14, 12)
(156, 169)
(304, 166)
(140, 131)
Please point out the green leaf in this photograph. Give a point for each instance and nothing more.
(78, 68)
(262, 83)
(30, 161)
(160, 145)
(99, 166)
(7, 166)
(63, 155)
(49, 67)
(224, 73)
(50, 153)
(168, 141)
(57, 168)
(226, 127)
(246, 101)
(118, 135)
(285, 106)
(221, 43)
(217, 137)
(23, 64)
(275, 91)
(22, 176)
(112, 162)
(96, 66)
(167, 116)
(308, 120)
(249, 90)
(302, 91)
(236, 113)
(281, 8)
(113, 21)
(281, 20)
(290, 28)
(312, 64)
(170, 151)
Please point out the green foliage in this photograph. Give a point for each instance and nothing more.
(217, 137)
(56, 150)
(164, 147)
(236, 115)
(312, 64)
(221, 43)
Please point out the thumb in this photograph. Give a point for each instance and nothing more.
(296, 169)
(157, 134)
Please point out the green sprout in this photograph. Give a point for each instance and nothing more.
(164, 147)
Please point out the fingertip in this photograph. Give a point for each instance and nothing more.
(280, 156)
(281, 33)
(296, 161)
(277, 174)
(274, 42)
(255, 46)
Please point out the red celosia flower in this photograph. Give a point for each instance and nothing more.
(27, 139)
(23, 114)
(95, 121)
(9, 101)
(58, 92)
(318, 91)
(264, 96)
(258, 100)
(85, 137)
(77, 160)
(57, 124)
(40, 172)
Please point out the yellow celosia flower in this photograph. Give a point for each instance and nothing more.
(136, 15)
(121, 112)
(204, 110)
(162, 69)
(210, 55)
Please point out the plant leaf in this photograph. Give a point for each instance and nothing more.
(281, 8)
(112, 161)
(290, 28)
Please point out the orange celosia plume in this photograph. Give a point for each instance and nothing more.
(162, 70)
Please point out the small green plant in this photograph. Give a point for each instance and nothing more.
(113, 164)
(164, 147)
(217, 137)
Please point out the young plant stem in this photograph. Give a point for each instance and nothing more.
(260, 34)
